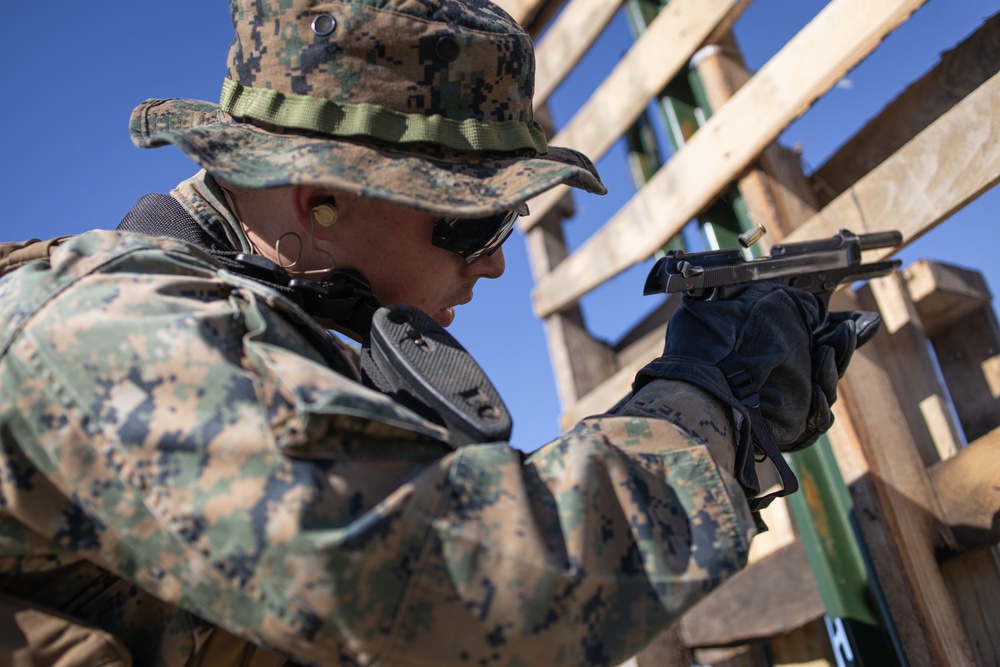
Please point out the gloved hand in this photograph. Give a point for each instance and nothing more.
(774, 354)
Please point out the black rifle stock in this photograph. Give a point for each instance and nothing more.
(815, 266)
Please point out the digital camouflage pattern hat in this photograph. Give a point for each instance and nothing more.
(425, 103)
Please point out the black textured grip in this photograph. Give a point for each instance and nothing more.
(419, 360)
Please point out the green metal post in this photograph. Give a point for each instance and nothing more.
(857, 620)
(858, 624)
(684, 109)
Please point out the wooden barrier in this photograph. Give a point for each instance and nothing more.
(918, 421)
(571, 34)
(784, 88)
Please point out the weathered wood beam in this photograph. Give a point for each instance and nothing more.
(579, 361)
(608, 393)
(843, 33)
(566, 40)
(952, 305)
(975, 586)
(942, 169)
(808, 646)
(923, 400)
(968, 487)
(656, 58)
(943, 293)
(523, 11)
(947, 166)
(774, 188)
(582, 361)
(898, 511)
(968, 353)
(959, 72)
(773, 596)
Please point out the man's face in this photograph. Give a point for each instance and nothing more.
(391, 246)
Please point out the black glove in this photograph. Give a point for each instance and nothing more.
(774, 354)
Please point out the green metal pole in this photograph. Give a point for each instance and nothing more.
(684, 109)
(857, 620)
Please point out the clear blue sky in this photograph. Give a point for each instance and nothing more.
(73, 72)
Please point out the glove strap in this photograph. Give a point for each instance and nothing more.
(744, 387)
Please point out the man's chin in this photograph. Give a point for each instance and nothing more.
(445, 316)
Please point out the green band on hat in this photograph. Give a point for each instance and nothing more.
(371, 120)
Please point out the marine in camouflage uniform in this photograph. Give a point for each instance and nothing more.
(190, 474)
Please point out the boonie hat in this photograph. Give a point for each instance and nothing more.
(424, 103)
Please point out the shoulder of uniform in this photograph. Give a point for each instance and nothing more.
(30, 287)
(100, 249)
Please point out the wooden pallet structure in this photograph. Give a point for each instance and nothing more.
(917, 438)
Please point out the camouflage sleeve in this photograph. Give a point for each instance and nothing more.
(170, 423)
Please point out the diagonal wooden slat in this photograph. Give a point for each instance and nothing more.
(953, 161)
(656, 58)
(520, 10)
(936, 173)
(565, 42)
(809, 65)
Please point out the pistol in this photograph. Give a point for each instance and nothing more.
(817, 266)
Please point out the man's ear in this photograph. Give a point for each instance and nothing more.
(316, 210)
(302, 196)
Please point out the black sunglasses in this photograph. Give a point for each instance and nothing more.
(474, 237)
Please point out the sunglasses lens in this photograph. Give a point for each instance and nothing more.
(474, 237)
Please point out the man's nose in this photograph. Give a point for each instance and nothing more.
(490, 266)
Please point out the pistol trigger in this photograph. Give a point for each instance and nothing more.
(701, 294)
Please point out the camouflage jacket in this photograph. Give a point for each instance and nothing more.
(180, 465)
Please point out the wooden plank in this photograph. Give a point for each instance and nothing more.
(583, 361)
(954, 306)
(960, 71)
(944, 293)
(774, 188)
(808, 646)
(885, 557)
(975, 586)
(971, 516)
(667, 650)
(580, 362)
(952, 162)
(968, 488)
(656, 58)
(566, 40)
(821, 54)
(612, 389)
(546, 246)
(523, 11)
(968, 353)
(726, 25)
(739, 611)
(753, 655)
(895, 503)
(913, 373)
(946, 166)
